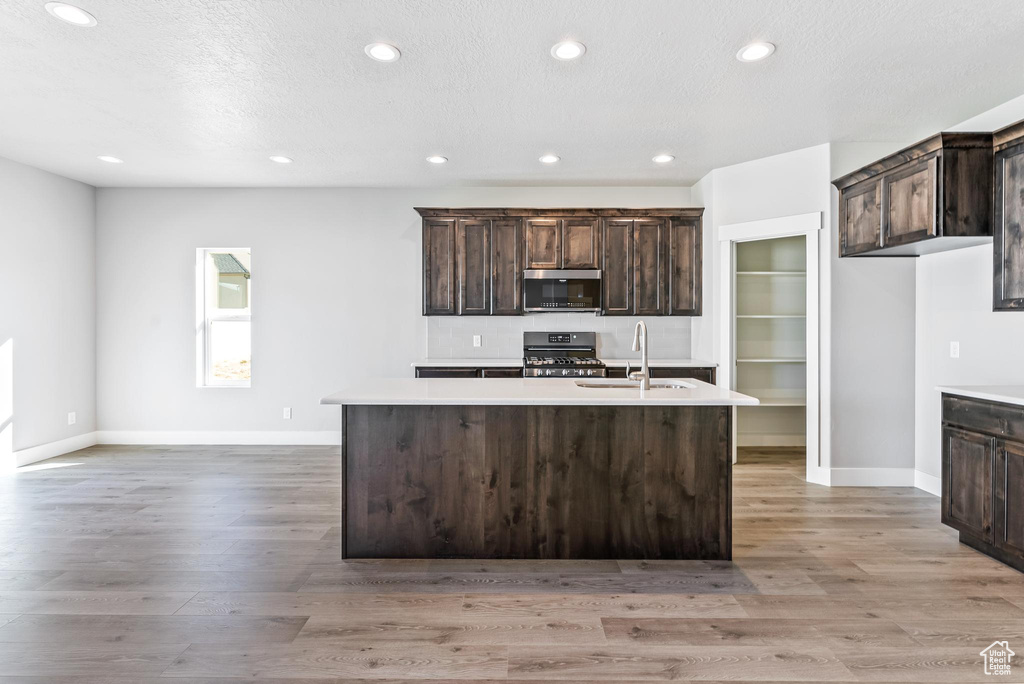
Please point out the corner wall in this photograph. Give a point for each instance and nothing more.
(47, 310)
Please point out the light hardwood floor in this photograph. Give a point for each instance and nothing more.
(139, 564)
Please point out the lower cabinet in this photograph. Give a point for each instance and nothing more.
(468, 372)
(983, 476)
(705, 374)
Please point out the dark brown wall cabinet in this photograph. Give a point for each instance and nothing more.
(930, 197)
(563, 243)
(473, 259)
(983, 475)
(1008, 234)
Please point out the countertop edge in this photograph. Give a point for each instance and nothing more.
(516, 363)
(985, 393)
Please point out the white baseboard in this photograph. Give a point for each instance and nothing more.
(762, 440)
(222, 437)
(928, 483)
(872, 477)
(42, 452)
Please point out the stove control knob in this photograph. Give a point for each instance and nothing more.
(565, 372)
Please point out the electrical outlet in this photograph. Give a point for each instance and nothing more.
(477, 341)
(287, 413)
(72, 418)
(954, 350)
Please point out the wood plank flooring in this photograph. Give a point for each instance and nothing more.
(187, 564)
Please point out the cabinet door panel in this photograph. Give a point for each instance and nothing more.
(860, 218)
(473, 264)
(704, 374)
(506, 267)
(617, 268)
(543, 243)
(435, 372)
(967, 463)
(685, 261)
(1009, 497)
(581, 243)
(910, 202)
(439, 284)
(1008, 233)
(649, 265)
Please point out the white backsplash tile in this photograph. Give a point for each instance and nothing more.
(502, 336)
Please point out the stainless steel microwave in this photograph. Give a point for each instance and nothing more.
(561, 290)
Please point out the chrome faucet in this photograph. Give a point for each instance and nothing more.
(640, 345)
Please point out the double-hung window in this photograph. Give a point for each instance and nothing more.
(223, 317)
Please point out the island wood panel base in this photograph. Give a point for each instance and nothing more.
(544, 482)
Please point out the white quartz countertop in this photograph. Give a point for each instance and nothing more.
(1006, 394)
(516, 363)
(527, 391)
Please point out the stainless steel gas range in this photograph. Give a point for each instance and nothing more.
(561, 354)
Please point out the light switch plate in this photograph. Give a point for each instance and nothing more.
(477, 341)
(954, 350)
(287, 413)
(72, 418)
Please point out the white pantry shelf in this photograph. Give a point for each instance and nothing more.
(777, 397)
(772, 273)
(775, 360)
(771, 316)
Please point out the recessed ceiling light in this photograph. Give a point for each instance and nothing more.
(755, 52)
(70, 14)
(110, 160)
(281, 160)
(568, 50)
(662, 158)
(382, 52)
(437, 159)
(549, 159)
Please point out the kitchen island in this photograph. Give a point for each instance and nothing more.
(535, 468)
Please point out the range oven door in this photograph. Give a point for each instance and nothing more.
(561, 290)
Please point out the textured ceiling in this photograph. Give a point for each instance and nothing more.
(194, 93)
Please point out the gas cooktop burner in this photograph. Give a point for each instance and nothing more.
(561, 355)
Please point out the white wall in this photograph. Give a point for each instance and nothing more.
(47, 303)
(866, 312)
(954, 303)
(336, 294)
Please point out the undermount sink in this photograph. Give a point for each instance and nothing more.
(634, 384)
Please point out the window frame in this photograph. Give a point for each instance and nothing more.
(207, 315)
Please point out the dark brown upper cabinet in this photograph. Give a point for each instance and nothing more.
(439, 284)
(543, 243)
(581, 243)
(685, 272)
(650, 267)
(930, 197)
(617, 268)
(506, 267)
(473, 265)
(553, 243)
(1008, 217)
(473, 259)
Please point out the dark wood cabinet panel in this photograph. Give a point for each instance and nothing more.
(967, 463)
(473, 265)
(446, 372)
(685, 275)
(922, 199)
(439, 284)
(506, 267)
(1008, 219)
(706, 374)
(473, 259)
(617, 267)
(1008, 497)
(910, 202)
(860, 218)
(650, 256)
(501, 372)
(543, 243)
(581, 243)
(553, 482)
